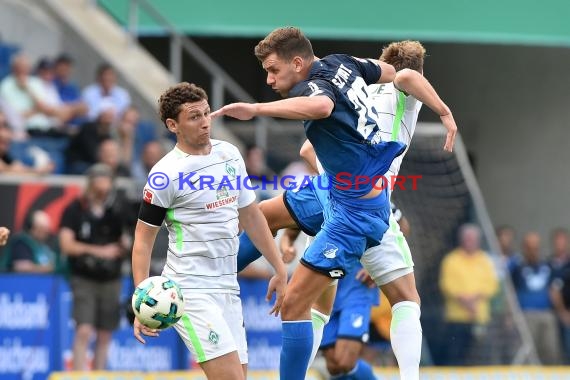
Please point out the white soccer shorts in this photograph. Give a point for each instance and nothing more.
(391, 259)
(213, 326)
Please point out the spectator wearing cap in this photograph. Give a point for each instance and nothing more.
(105, 93)
(92, 236)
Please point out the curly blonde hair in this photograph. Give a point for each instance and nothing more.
(405, 55)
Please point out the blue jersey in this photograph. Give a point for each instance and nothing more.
(348, 142)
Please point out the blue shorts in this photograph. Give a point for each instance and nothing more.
(349, 228)
(305, 205)
(350, 323)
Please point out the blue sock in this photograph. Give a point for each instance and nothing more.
(247, 253)
(296, 349)
(361, 371)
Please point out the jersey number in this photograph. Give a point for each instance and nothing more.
(367, 117)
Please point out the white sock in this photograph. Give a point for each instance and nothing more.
(406, 338)
(319, 321)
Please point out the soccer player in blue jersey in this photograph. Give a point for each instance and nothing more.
(398, 104)
(330, 95)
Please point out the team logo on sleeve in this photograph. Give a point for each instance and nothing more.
(147, 196)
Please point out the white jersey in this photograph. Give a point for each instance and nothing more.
(203, 195)
(398, 115)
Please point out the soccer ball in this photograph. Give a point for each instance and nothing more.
(158, 302)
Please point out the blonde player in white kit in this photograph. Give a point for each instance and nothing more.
(200, 188)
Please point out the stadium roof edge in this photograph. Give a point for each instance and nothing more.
(518, 22)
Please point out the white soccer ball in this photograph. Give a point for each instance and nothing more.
(158, 302)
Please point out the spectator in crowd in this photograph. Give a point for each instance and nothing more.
(14, 120)
(105, 92)
(125, 134)
(51, 98)
(468, 281)
(560, 249)
(531, 280)
(152, 153)
(26, 95)
(67, 110)
(110, 154)
(32, 251)
(509, 254)
(258, 172)
(560, 297)
(83, 148)
(68, 90)
(4, 235)
(91, 236)
(9, 164)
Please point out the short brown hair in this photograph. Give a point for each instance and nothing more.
(171, 100)
(404, 55)
(287, 43)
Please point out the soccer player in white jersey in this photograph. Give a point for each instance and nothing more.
(199, 188)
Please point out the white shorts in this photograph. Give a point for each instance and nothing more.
(391, 259)
(212, 326)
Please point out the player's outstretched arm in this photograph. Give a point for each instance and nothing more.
(415, 84)
(388, 72)
(298, 108)
(254, 223)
